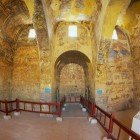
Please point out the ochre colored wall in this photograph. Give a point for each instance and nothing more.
(62, 42)
(72, 80)
(119, 76)
(113, 78)
(5, 80)
(114, 75)
(26, 73)
(135, 38)
(71, 10)
(129, 20)
(83, 43)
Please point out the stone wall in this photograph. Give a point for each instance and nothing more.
(119, 76)
(114, 75)
(72, 80)
(70, 10)
(5, 80)
(135, 38)
(101, 97)
(26, 73)
(62, 42)
(43, 43)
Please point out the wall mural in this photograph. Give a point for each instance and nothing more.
(63, 42)
(114, 77)
(72, 81)
(5, 80)
(62, 37)
(120, 75)
(136, 60)
(73, 9)
(26, 74)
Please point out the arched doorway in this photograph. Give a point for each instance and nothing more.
(72, 75)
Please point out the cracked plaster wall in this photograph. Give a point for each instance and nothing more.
(26, 73)
(135, 37)
(33, 68)
(72, 80)
(114, 75)
(5, 80)
(62, 42)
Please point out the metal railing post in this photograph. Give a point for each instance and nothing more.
(6, 107)
(110, 126)
(59, 109)
(17, 105)
(93, 108)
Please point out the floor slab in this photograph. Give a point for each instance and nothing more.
(75, 126)
(30, 126)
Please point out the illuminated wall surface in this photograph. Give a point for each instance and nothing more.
(33, 66)
(72, 80)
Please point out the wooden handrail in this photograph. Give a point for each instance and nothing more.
(76, 99)
(9, 106)
(39, 103)
(113, 121)
(126, 129)
(91, 107)
(1, 101)
(104, 112)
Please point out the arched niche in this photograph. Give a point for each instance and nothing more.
(77, 61)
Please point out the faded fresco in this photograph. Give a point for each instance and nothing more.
(136, 61)
(5, 80)
(28, 68)
(72, 80)
(71, 9)
(114, 79)
(82, 43)
(26, 74)
(120, 76)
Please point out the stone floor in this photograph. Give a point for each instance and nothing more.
(74, 110)
(30, 126)
(75, 126)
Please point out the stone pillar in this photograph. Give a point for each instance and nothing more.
(135, 42)
(40, 26)
(101, 74)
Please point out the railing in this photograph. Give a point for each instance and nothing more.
(28, 106)
(7, 106)
(110, 124)
(88, 105)
(72, 99)
(63, 100)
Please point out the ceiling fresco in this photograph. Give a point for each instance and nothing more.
(14, 16)
(73, 10)
(17, 15)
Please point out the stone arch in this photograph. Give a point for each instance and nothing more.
(112, 13)
(62, 42)
(123, 37)
(72, 57)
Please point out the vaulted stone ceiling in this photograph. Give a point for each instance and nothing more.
(71, 10)
(14, 17)
(131, 17)
(104, 14)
